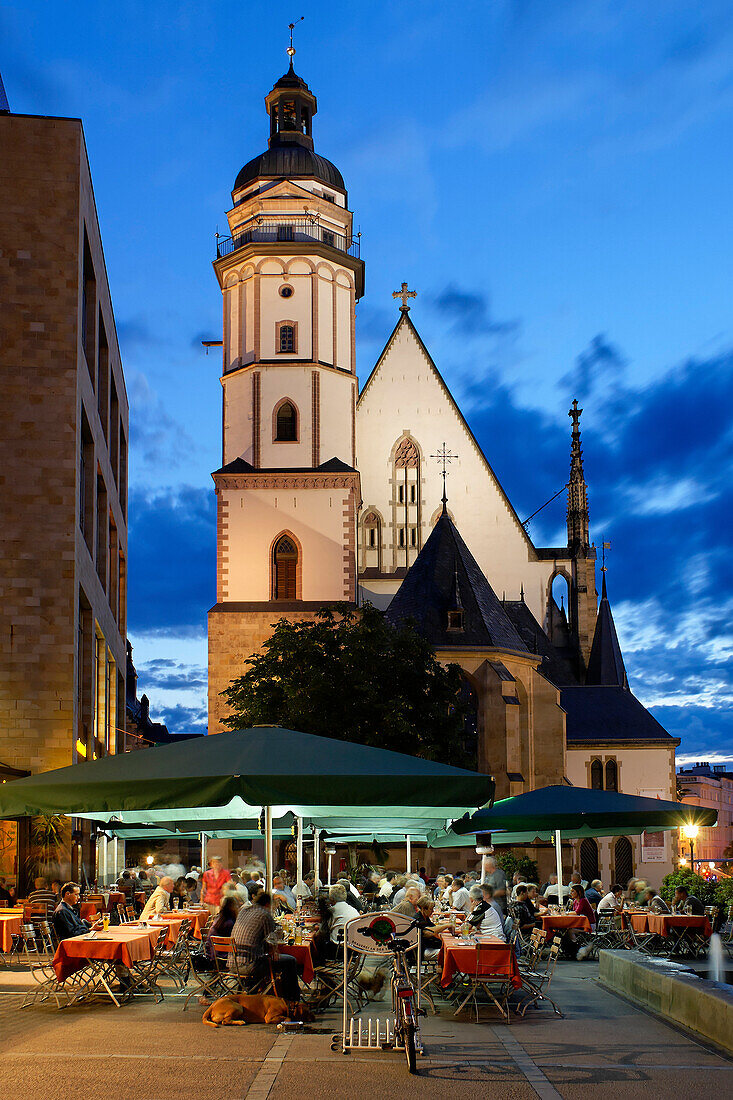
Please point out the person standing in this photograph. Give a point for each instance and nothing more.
(496, 879)
(213, 883)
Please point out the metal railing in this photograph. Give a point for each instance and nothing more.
(285, 231)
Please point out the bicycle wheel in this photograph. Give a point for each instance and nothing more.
(410, 1053)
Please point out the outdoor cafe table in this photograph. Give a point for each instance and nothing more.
(663, 924)
(123, 944)
(302, 954)
(10, 922)
(459, 956)
(560, 922)
(175, 918)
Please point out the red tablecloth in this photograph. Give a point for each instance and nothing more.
(560, 922)
(639, 921)
(175, 919)
(121, 944)
(9, 925)
(459, 956)
(89, 910)
(302, 954)
(664, 923)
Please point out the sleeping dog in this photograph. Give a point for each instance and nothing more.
(254, 1008)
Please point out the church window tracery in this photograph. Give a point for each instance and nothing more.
(286, 423)
(596, 775)
(372, 540)
(285, 569)
(611, 775)
(406, 507)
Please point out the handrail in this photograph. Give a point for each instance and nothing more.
(287, 231)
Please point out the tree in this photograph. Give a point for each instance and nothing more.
(353, 676)
(511, 862)
(693, 883)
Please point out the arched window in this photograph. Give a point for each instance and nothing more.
(285, 565)
(623, 860)
(371, 530)
(286, 423)
(286, 338)
(611, 775)
(588, 859)
(596, 776)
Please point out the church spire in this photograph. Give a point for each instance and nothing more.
(606, 664)
(577, 514)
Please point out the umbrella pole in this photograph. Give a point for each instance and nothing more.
(203, 852)
(268, 848)
(558, 865)
(409, 853)
(317, 857)
(329, 869)
(299, 855)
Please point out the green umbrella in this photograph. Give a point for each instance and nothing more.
(577, 811)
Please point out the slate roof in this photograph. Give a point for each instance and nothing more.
(290, 162)
(241, 466)
(608, 713)
(443, 577)
(554, 666)
(606, 663)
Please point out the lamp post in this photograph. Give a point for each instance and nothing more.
(690, 832)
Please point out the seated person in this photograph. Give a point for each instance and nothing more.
(386, 886)
(431, 943)
(66, 920)
(458, 896)
(179, 891)
(253, 933)
(485, 916)
(126, 885)
(222, 925)
(594, 892)
(342, 911)
(160, 899)
(6, 897)
(439, 888)
(371, 886)
(581, 905)
(684, 901)
(653, 902)
(280, 900)
(551, 893)
(612, 903)
(408, 905)
(352, 894)
(193, 890)
(524, 912)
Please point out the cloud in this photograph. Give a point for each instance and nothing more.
(181, 719)
(172, 547)
(156, 438)
(469, 313)
(198, 338)
(600, 363)
(133, 333)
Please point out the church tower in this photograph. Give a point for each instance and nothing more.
(288, 489)
(582, 594)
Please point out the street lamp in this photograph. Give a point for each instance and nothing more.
(690, 832)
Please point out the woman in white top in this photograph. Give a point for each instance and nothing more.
(341, 912)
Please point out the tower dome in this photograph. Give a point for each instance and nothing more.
(291, 106)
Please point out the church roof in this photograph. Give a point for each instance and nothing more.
(241, 466)
(608, 713)
(606, 663)
(554, 667)
(290, 162)
(445, 577)
(404, 320)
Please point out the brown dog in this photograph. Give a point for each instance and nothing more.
(254, 1008)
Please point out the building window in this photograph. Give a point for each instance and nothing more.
(286, 291)
(286, 423)
(623, 860)
(588, 859)
(413, 536)
(328, 237)
(285, 565)
(401, 494)
(455, 619)
(611, 775)
(596, 776)
(286, 337)
(402, 536)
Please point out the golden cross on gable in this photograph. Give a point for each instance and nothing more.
(404, 294)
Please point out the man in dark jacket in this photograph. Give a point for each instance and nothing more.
(66, 920)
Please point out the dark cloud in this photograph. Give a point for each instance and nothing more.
(198, 339)
(600, 361)
(172, 676)
(156, 437)
(134, 333)
(172, 541)
(180, 719)
(469, 313)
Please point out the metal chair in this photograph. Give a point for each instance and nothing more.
(45, 934)
(536, 982)
(220, 980)
(175, 962)
(495, 987)
(144, 975)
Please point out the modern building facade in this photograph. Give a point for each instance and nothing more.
(711, 786)
(63, 462)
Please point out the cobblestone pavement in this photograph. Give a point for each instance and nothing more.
(603, 1047)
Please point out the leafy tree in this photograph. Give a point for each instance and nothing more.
(694, 883)
(724, 892)
(353, 676)
(511, 862)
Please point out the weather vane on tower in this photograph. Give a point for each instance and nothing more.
(444, 456)
(291, 48)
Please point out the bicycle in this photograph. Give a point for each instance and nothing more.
(406, 1013)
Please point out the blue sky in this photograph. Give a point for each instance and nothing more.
(552, 178)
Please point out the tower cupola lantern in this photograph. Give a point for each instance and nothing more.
(291, 106)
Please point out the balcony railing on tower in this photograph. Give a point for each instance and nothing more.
(287, 230)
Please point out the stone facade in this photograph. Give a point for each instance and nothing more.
(63, 458)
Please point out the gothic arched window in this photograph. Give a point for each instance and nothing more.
(286, 423)
(596, 776)
(588, 859)
(371, 530)
(284, 569)
(623, 855)
(611, 775)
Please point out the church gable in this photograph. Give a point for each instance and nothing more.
(405, 401)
